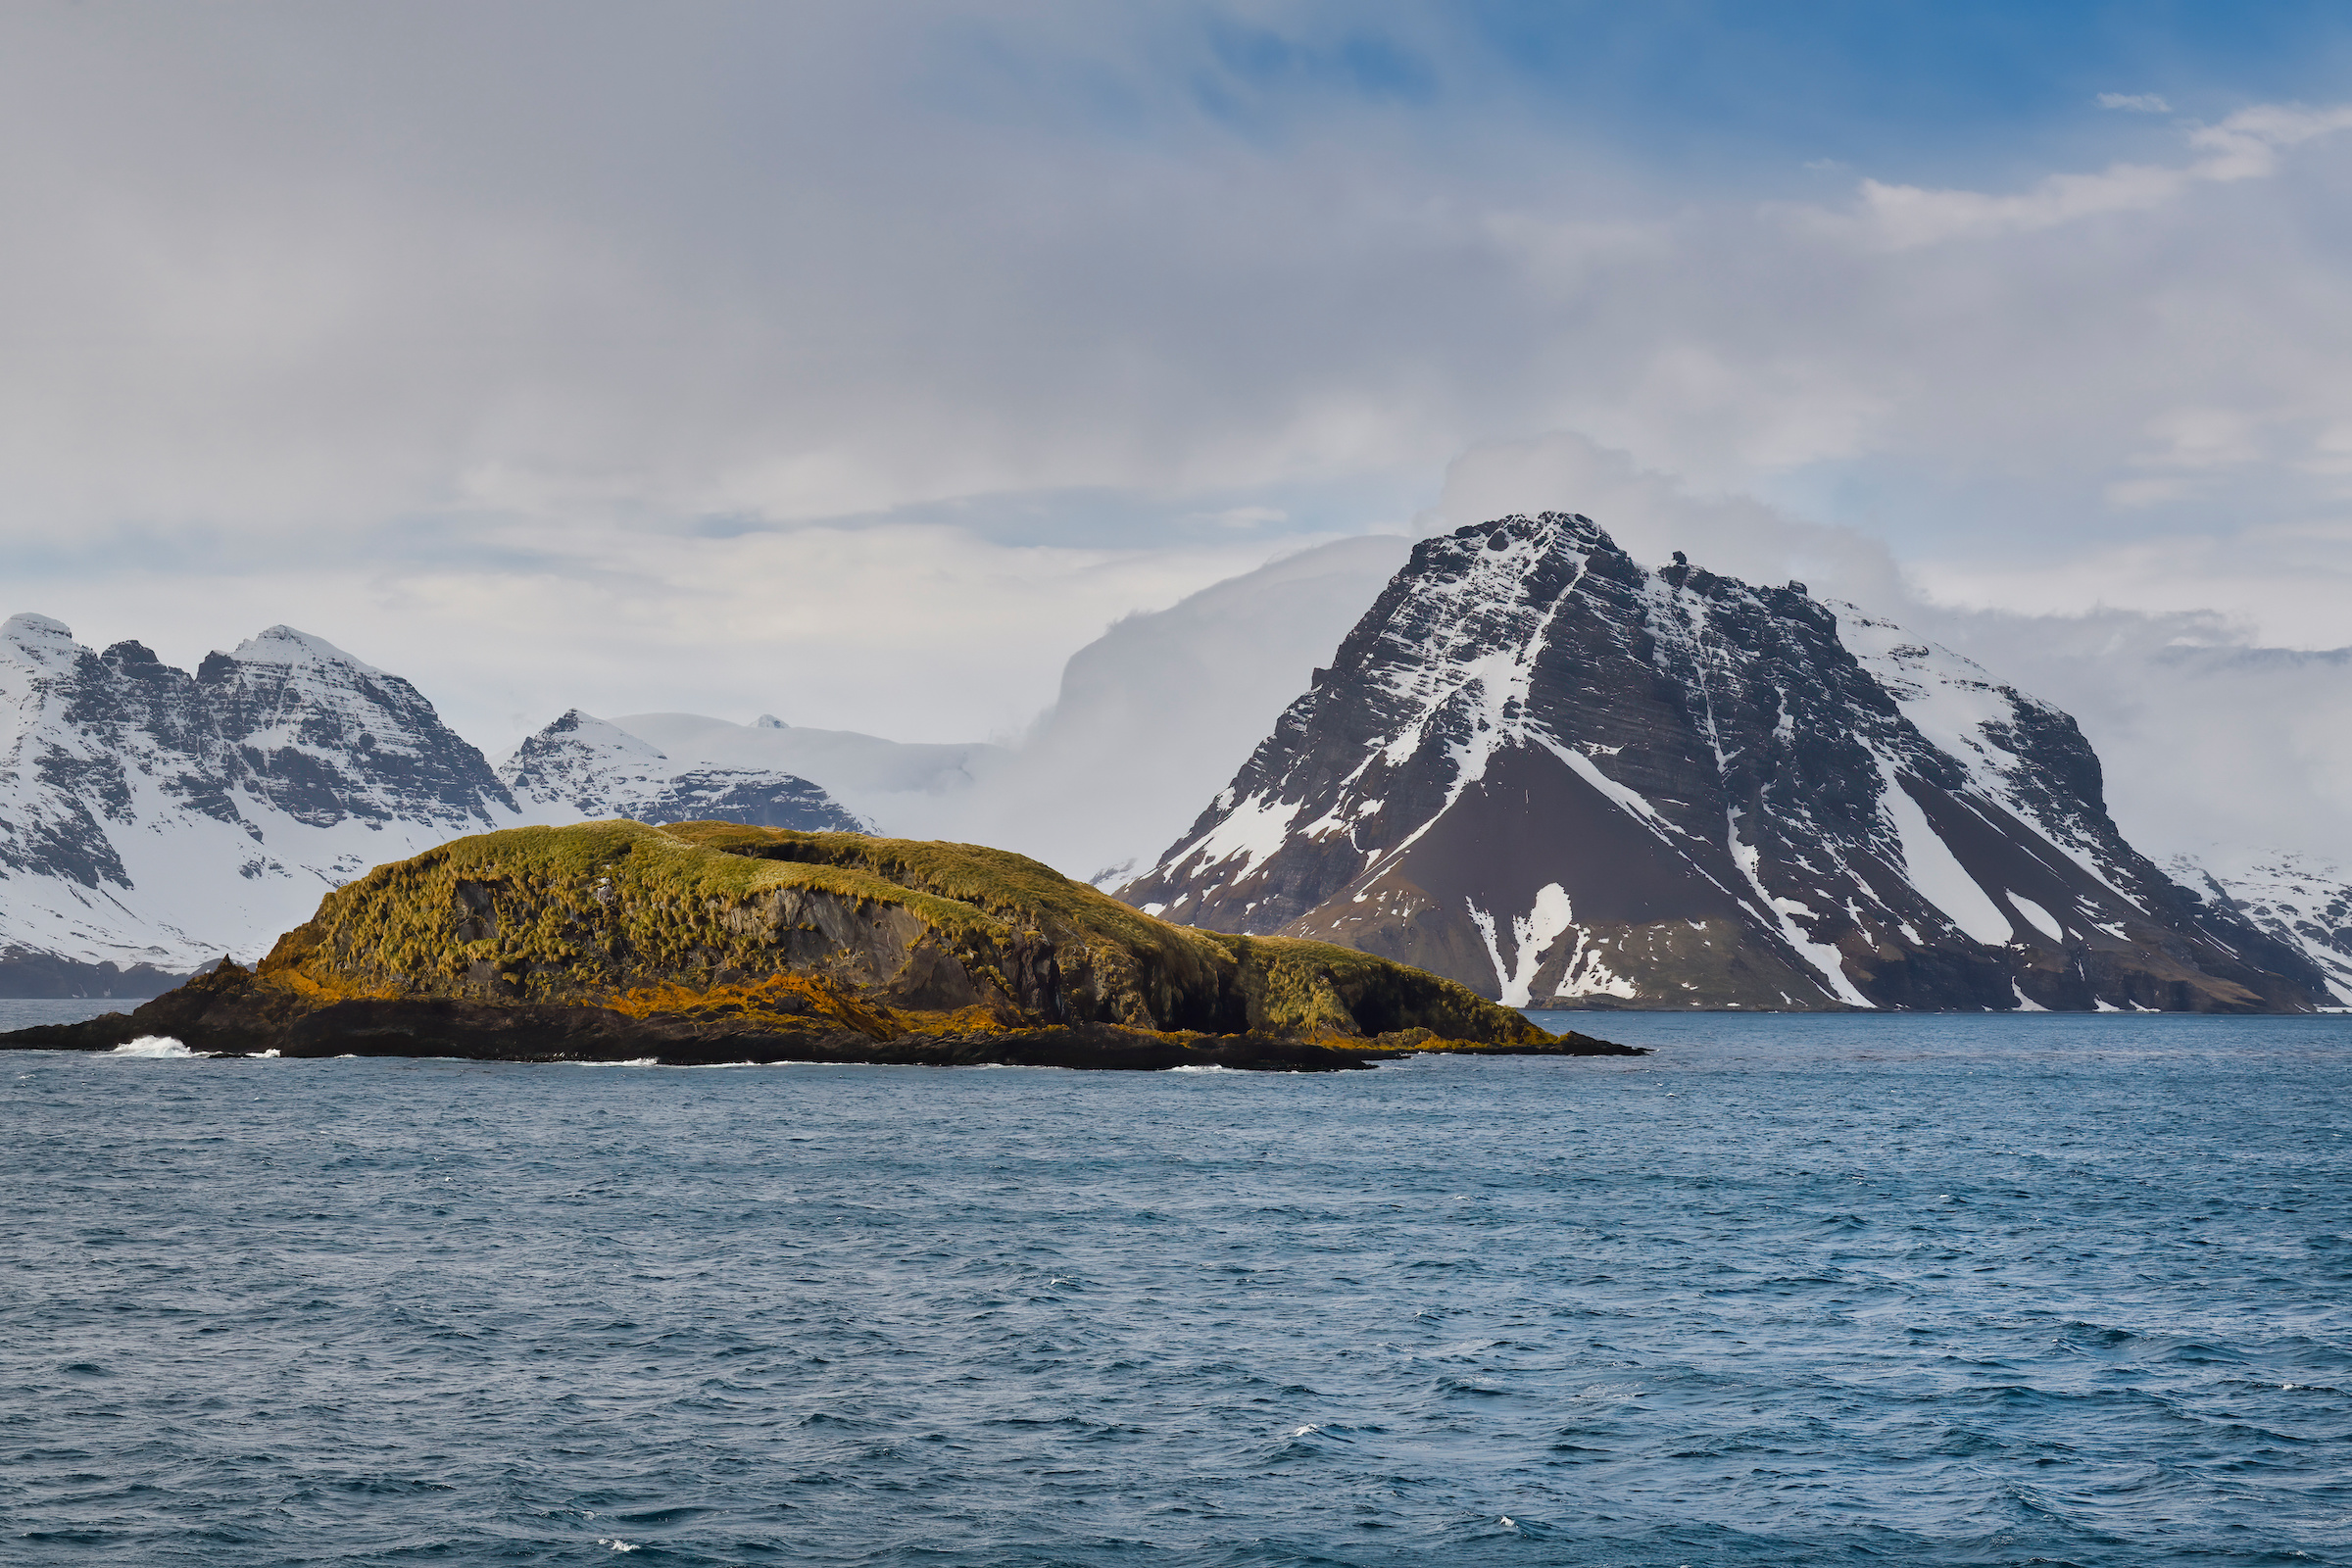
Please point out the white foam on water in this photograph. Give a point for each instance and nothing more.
(1209, 1067)
(155, 1047)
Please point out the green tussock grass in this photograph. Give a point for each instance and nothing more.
(567, 912)
(1320, 988)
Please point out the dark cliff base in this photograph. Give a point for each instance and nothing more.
(484, 1032)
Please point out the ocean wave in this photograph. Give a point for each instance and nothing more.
(157, 1047)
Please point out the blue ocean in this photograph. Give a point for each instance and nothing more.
(1810, 1291)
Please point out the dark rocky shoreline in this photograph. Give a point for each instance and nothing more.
(484, 1032)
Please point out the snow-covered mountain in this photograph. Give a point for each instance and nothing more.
(1150, 718)
(153, 818)
(1544, 771)
(2300, 898)
(582, 767)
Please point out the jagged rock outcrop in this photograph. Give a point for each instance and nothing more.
(1538, 768)
(151, 818)
(584, 768)
(716, 942)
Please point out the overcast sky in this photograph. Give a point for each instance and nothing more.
(857, 362)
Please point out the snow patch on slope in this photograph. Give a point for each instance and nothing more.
(1823, 956)
(1957, 705)
(1251, 832)
(1936, 873)
(1532, 936)
(2040, 919)
(1587, 974)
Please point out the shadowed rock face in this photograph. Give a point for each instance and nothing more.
(1564, 780)
(719, 942)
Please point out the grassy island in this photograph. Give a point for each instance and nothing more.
(711, 942)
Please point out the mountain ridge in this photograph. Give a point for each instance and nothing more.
(583, 767)
(150, 810)
(153, 819)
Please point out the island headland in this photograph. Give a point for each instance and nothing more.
(707, 943)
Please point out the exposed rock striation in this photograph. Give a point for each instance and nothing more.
(1564, 780)
(718, 942)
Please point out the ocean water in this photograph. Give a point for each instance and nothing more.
(1791, 1290)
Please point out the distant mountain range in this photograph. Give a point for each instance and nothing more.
(152, 820)
(1541, 770)
(1532, 766)
(149, 818)
(585, 768)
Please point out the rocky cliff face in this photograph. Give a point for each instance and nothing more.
(584, 768)
(1565, 780)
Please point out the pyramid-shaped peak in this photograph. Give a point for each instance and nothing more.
(580, 728)
(39, 640)
(1550, 772)
(286, 645)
